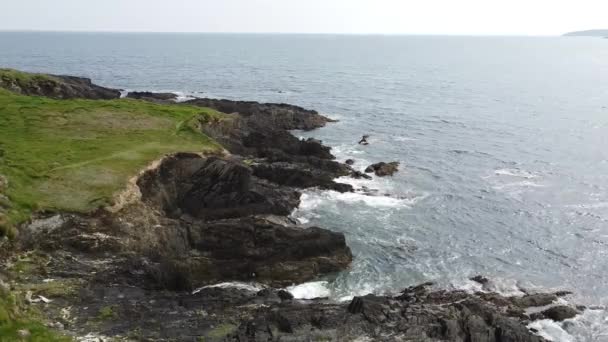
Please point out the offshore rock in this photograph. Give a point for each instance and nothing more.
(383, 169)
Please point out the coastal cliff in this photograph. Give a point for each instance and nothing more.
(115, 241)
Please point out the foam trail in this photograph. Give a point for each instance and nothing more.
(316, 289)
(251, 287)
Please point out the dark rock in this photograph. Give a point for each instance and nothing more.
(560, 313)
(212, 188)
(153, 97)
(363, 140)
(276, 115)
(535, 300)
(383, 169)
(480, 279)
(350, 162)
(359, 174)
(298, 175)
(284, 295)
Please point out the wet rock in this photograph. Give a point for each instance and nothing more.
(480, 279)
(383, 169)
(350, 162)
(534, 300)
(359, 175)
(298, 175)
(560, 313)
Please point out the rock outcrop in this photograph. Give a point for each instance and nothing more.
(54, 86)
(383, 169)
(272, 115)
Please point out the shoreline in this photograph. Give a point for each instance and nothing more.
(195, 223)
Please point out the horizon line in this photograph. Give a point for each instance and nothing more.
(285, 33)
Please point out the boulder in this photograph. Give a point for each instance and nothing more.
(383, 169)
(350, 162)
(560, 313)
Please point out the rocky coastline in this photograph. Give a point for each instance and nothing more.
(154, 265)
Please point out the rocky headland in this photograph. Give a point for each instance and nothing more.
(153, 263)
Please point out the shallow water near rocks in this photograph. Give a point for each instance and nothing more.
(502, 143)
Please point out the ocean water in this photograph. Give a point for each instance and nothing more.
(503, 144)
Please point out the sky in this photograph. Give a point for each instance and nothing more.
(458, 17)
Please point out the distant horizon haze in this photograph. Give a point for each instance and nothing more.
(383, 17)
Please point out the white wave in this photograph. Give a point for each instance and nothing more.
(182, 97)
(403, 139)
(598, 205)
(504, 287)
(515, 173)
(312, 200)
(523, 184)
(551, 330)
(251, 287)
(124, 93)
(591, 325)
(316, 289)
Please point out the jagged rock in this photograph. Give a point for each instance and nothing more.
(298, 175)
(560, 313)
(213, 188)
(383, 169)
(535, 300)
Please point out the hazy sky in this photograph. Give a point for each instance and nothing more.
(527, 17)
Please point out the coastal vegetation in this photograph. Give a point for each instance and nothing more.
(74, 155)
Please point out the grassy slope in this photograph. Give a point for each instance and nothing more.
(25, 78)
(74, 155)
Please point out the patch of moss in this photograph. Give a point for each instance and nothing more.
(221, 331)
(75, 155)
(8, 76)
(17, 319)
(53, 289)
(106, 313)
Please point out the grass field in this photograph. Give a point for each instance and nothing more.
(74, 155)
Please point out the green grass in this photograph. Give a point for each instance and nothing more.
(75, 155)
(24, 79)
(16, 317)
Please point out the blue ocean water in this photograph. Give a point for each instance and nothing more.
(503, 143)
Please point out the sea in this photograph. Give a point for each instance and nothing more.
(502, 144)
